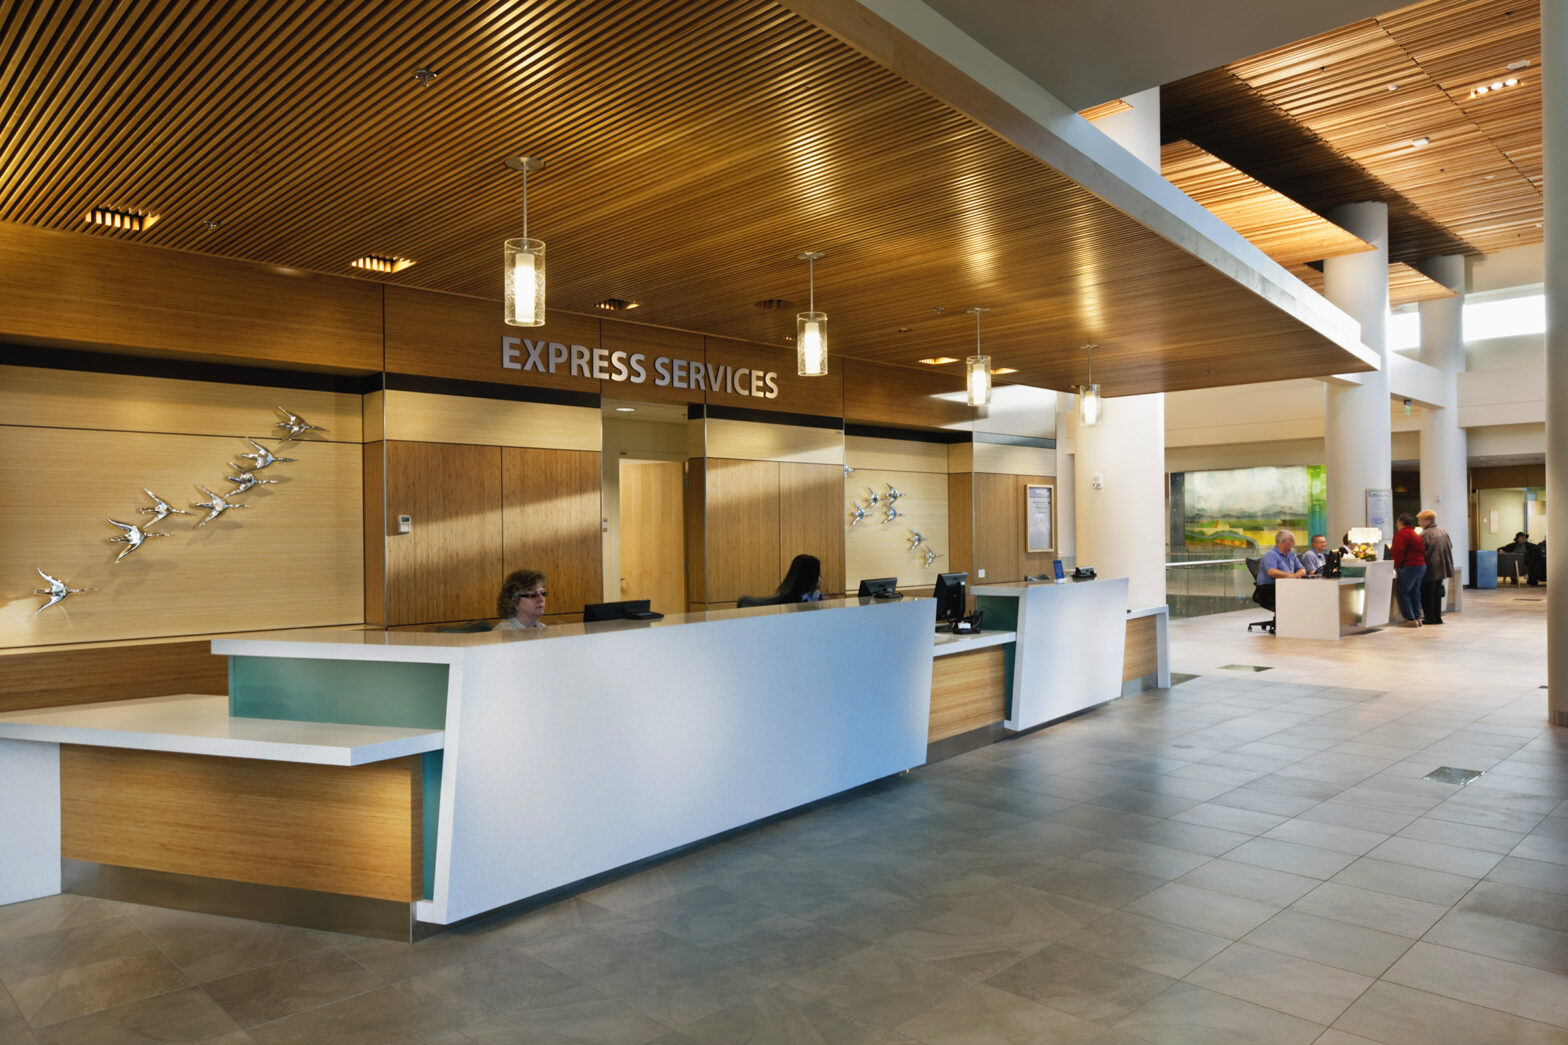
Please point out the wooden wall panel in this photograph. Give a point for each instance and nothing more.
(871, 454)
(751, 441)
(48, 398)
(1008, 459)
(57, 678)
(293, 558)
(999, 528)
(422, 417)
(550, 522)
(961, 525)
(810, 521)
(373, 416)
(376, 532)
(895, 395)
(823, 396)
(1504, 477)
(449, 567)
(72, 290)
(444, 335)
(742, 528)
(968, 690)
(1140, 656)
(350, 830)
(651, 525)
(874, 548)
(696, 511)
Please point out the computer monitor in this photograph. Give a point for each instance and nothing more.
(950, 595)
(878, 587)
(613, 610)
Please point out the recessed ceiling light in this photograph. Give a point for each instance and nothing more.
(1511, 81)
(938, 360)
(1497, 85)
(116, 218)
(626, 409)
(1005, 370)
(385, 264)
(772, 305)
(1423, 140)
(1523, 63)
(616, 305)
(211, 224)
(1393, 87)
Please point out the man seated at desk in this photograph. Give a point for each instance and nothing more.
(1313, 558)
(1279, 561)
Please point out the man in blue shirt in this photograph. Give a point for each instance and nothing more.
(1279, 561)
(1313, 558)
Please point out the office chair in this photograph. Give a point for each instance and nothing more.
(746, 601)
(1267, 625)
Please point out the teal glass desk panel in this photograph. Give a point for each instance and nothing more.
(357, 692)
(1001, 614)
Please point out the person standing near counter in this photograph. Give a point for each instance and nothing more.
(1439, 566)
(521, 602)
(1409, 554)
(1279, 561)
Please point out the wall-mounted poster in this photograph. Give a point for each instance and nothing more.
(1380, 511)
(1038, 520)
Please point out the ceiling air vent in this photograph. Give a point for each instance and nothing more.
(616, 305)
(384, 264)
(114, 218)
(772, 304)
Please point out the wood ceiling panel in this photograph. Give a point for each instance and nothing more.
(1406, 284)
(691, 151)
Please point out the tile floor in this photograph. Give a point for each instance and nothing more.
(1243, 858)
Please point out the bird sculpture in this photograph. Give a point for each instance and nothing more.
(932, 555)
(215, 505)
(160, 509)
(133, 537)
(264, 458)
(245, 480)
(58, 591)
(891, 514)
(294, 425)
(915, 539)
(856, 514)
(848, 471)
(892, 494)
(872, 498)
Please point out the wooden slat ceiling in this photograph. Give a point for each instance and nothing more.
(1277, 225)
(1473, 188)
(692, 150)
(1406, 285)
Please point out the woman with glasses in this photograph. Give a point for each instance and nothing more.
(521, 602)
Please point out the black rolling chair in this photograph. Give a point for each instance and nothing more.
(746, 601)
(1266, 625)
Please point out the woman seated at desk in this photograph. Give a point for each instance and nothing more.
(802, 583)
(521, 602)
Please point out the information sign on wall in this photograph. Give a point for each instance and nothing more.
(636, 368)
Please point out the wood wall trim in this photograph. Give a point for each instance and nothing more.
(1140, 656)
(59, 678)
(350, 830)
(968, 690)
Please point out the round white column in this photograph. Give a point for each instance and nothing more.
(1356, 439)
(1554, 117)
(1444, 445)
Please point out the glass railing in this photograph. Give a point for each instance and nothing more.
(1195, 587)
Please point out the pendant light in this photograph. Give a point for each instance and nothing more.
(811, 328)
(977, 367)
(1089, 403)
(524, 268)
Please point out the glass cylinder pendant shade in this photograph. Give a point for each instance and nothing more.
(524, 270)
(978, 370)
(1089, 405)
(811, 344)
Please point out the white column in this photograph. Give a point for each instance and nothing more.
(1355, 417)
(1444, 445)
(1066, 470)
(1119, 464)
(1554, 117)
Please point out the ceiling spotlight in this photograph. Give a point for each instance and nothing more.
(626, 409)
(938, 360)
(382, 263)
(1523, 63)
(1511, 81)
(1497, 86)
(616, 305)
(1480, 90)
(426, 77)
(1423, 140)
(1393, 87)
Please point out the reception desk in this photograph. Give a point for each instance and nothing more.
(1330, 607)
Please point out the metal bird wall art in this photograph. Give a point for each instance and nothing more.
(265, 458)
(848, 471)
(872, 498)
(891, 514)
(294, 425)
(932, 555)
(58, 591)
(915, 539)
(892, 494)
(215, 505)
(133, 537)
(856, 514)
(245, 480)
(160, 509)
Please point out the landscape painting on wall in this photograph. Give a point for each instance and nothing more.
(1232, 513)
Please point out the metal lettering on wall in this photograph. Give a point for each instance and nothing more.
(635, 368)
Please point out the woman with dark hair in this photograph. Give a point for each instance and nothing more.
(1409, 554)
(802, 582)
(521, 602)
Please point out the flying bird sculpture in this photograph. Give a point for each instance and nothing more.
(915, 539)
(294, 425)
(58, 591)
(932, 555)
(891, 514)
(265, 458)
(160, 509)
(892, 494)
(133, 537)
(215, 505)
(245, 480)
(872, 498)
(856, 514)
(848, 471)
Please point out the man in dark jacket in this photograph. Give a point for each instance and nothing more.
(1439, 567)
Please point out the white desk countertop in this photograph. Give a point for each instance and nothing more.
(199, 724)
(947, 645)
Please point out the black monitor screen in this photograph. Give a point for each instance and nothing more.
(613, 610)
(950, 595)
(873, 586)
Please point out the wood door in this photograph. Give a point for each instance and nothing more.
(653, 534)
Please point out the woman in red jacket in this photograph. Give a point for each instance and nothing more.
(1409, 568)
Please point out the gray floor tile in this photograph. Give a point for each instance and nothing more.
(598, 1020)
(1188, 1015)
(275, 991)
(783, 1016)
(1532, 874)
(52, 913)
(1333, 837)
(1288, 856)
(878, 987)
(1192, 838)
(1096, 883)
(207, 947)
(1229, 818)
(187, 1015)
(1195, 908)
(79, 990)
(1080, 983)
(962, 945)
(1340, 944)
(985, 1014)
(1398, 1015)
(1148, 943)
(1519, 904)
(1384, 912)
(1266, 885)
(1470, 863)
(1129, 854)
(1417, 883)
(1478, 933)
(1033, 912)
(1517, 989)
(1298, 986)
(1467, 836)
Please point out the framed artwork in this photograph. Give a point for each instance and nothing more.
(1039, 517)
